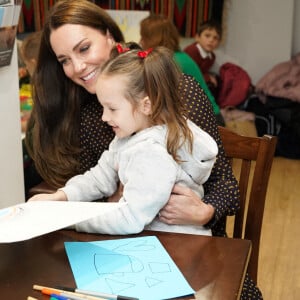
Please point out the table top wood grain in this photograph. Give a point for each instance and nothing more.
(215, 267)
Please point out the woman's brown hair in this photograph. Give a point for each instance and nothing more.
(53, 135)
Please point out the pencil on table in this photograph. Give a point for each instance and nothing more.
(49, 290)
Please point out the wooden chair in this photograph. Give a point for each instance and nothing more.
(246, 152)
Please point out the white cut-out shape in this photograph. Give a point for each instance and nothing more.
(150, 282)
(157, 267)
(141, 245)
(117, 287)
(116, 264)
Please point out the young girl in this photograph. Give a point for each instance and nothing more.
(155, 145)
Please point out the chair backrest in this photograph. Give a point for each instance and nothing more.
(255, 155)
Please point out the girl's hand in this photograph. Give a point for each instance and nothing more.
(57, 196)
(185, 207)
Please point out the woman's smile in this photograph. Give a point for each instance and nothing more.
(89, 76)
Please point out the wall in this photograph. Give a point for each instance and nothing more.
(11, 166)
(296, 29)
(259, 34)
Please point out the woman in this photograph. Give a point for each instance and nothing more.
(68, 136)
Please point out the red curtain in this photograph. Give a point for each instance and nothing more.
(186, 14)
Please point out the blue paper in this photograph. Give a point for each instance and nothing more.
(134, 267)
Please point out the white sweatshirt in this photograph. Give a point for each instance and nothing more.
(148, 173)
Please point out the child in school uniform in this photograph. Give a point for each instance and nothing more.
(201, 51)
(155, 145)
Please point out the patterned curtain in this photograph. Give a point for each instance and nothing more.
(186, 14)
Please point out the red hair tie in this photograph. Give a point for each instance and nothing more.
(121, 49)
(144, 53)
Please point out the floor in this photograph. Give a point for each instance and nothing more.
(279, 264)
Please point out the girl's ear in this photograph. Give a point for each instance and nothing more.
(145, 106)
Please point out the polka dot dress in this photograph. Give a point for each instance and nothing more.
(95, 135)
(221, 189)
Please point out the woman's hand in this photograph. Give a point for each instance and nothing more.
(117, 194)
(57, 196)
(185, 207)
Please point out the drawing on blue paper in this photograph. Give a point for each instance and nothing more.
(138, 267)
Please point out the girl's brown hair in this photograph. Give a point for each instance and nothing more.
(154, 74)
(53, 134)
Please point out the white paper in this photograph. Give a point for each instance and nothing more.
(31, 219)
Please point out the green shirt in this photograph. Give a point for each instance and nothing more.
(188, 66)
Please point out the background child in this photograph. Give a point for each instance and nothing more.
(154, 148)
(201, 51)
(159, 30)
(29, 50)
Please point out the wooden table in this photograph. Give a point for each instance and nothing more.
(214, 267)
